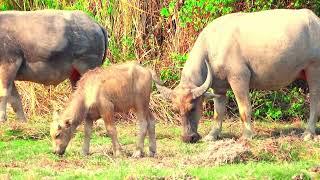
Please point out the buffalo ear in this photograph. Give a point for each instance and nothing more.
(209, 95)
(164, 91)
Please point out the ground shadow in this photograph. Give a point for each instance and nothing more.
(275, 133)
(292, 131)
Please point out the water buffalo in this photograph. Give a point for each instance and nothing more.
(47, 47)
(264, 50)
(101, 93)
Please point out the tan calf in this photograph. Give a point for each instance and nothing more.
(101, 93)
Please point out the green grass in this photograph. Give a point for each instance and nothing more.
(277, 153)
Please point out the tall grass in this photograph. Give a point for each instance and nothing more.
(158, 34)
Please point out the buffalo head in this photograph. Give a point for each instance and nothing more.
(187, 100)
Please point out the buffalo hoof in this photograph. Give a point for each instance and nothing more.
(308, 136)
(212, 136)
(247, 134)
(22, 119)
(152, 154)
(118, 153)
(3, 118)
(138, 154)
(85, 152)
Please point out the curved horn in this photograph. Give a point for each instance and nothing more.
(198, 91)
(166, 92)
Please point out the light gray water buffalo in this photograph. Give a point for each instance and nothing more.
(101, 93)
(264, 50)
(47, 47)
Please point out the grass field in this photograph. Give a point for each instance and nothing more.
(277, 152)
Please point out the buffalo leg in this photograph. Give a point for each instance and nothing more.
(88, 123)
(152, 135)
(313, 74)
(8, 72)
(15, 101)
(240, 87)
(219, 114)
(4, 93)
(143, 127)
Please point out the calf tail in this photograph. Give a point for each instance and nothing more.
(155, 78)
(105, 34)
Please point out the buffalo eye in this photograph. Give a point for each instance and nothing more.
(57, 135)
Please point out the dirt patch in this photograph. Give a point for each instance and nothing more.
(221, 152)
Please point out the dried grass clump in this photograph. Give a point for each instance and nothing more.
(221, 152)
(162, 109)
(40, 100)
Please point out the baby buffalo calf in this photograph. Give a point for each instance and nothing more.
(101, 93)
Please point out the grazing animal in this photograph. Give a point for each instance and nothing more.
(101, 93)
(264, 50)
(47, 47)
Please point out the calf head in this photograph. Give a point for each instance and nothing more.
(61, 135)
(187, 100)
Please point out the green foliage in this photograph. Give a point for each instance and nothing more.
(172, 73)
(275, 105)
(198, 13)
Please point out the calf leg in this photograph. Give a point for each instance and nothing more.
(142, 131)
(106, 110)
(88, 123)
(15, 101)
(152, 135)
(313, 74)
(219, 114)
(240, 87)
(112, 131)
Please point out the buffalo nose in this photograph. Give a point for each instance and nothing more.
(193, 138)
(58, 152)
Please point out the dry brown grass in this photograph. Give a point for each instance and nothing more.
(221, 152)
(40, 100)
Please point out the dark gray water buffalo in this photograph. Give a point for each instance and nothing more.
(263, 50)
(47, 47)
